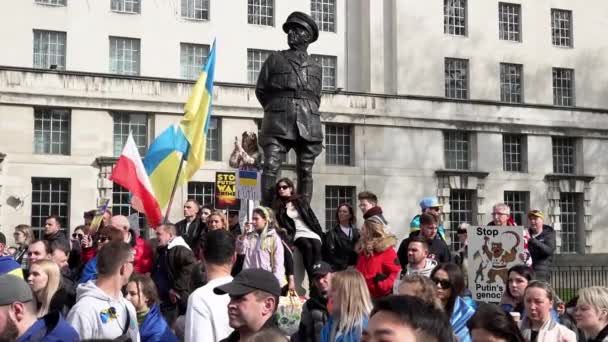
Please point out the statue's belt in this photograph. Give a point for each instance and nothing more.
(298, 94)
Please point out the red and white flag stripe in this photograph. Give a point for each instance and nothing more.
(129, 172)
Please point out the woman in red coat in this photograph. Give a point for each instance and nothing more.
(378, 261)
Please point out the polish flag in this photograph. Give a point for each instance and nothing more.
(130, 173)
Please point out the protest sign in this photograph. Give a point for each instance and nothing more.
(225, 191)
(492, 250)
(248, 185)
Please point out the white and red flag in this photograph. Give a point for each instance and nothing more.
(130, 173)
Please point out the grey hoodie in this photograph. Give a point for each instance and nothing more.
(91, 319)
(426, 271)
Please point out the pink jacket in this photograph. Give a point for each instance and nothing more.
(269, 258)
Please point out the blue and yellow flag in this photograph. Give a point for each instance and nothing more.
(162, 162)
(195, 123)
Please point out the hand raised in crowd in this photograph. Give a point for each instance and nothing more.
(86, 242)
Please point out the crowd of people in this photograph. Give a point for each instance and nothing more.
(210, 277)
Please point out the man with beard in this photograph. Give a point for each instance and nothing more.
(18, 321)
(315, 312)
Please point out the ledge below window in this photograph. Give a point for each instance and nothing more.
(446, 173)
(564, 176)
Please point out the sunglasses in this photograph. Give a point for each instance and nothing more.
(284, 187)
(103, 239)
(443, 283)
(77, 236)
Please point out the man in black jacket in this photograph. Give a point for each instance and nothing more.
(191, 227)
(438, 249)
(172, 272)
(541, 245)
(53, 232)
(315, 313)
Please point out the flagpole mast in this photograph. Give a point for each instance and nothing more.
(179, 171)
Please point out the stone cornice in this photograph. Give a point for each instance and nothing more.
(478, 174)
(563, 176)
(106, 161)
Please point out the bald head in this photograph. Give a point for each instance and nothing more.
(121, 223)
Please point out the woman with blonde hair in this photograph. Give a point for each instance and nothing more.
(23, 237)
(591, 313)
(217, 220)
(378, 261)
(45, 282)
(350, 304)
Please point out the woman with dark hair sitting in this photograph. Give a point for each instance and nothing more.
(450, 287)
(294, 214)
(513, 299)
(340, 241)
(491, 323)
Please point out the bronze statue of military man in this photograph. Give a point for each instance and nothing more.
(289, 89)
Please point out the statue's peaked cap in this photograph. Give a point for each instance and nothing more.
(304, 20)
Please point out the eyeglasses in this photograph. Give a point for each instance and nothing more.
(284, 187)
(443, 283)
(77, 236)
(103, 239)
(499, 214)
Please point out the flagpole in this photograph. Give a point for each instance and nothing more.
(179, 171)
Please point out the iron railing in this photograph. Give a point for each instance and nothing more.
(567, 280)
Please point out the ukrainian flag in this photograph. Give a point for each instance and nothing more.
(162, 162)
(195, 123)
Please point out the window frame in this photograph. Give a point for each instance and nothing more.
(329, 25)
(508, 80)
(40, 146)
(330, 211)
(192, 191)
(118, 65)
(558, 80)
(142, 147)
(262, 20)
(449, 14)
(518, 141)
(340, 159)
(135, 5)
(507, 34)
(458, 216)
(214, 135)
(37, 219)
(252, 72)
(191, 10)
(46, 55)
(451, 83)
(57, 3)
(571, 232)
(325, 71)
(451, 147)
(519, 206)
(558, 145)
(556, 31)
(187, 70)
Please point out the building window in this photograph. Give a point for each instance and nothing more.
(456, 147)
(328, 67)
(561, 27)
(564, 157)
(569, 220)
(509, 21)
(511, 83)
(137, 124)
(334, 196)
(212, 146)
(260, 12)
(52, 2)
(193, 58)
(51, 131)
(513, 153)
(126, 6)
(338, 144)
(563, 87)
(457, 78)
(461, 210)
(324, 14)
(455, 17)
(202, 192)
(50, 196)
(255, 60)
(124, 56)
(49, 49)
(195, 9)
(518, 202)
(121, 205)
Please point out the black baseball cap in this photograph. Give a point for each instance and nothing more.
(250, 280)
(321, 269)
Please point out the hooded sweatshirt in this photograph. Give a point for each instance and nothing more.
(50, 328)
(429, 265)
(92, 317)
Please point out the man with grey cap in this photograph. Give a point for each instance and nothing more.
(254, 296)
(289, 89)
(18, 321)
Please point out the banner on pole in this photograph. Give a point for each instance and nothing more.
(248, 185)
(492, 250)
(225, 191)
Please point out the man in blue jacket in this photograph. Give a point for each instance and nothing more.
(18, 321)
